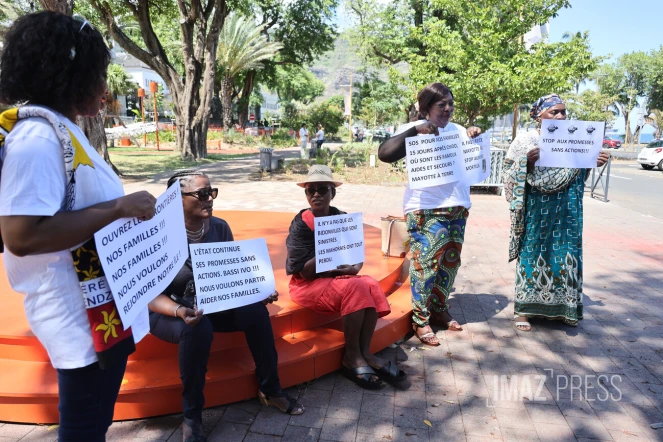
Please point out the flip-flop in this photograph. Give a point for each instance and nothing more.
(362, 377)
(526, 326)
(453, 325)
(391, 373)
(428, 338)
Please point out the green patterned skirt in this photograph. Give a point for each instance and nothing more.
(549, 266)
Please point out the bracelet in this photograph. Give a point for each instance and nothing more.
(176, 309)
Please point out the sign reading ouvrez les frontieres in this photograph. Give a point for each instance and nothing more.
(231, 274)
(141, 258)
(570, 143)
(451, 156)
(339, 240)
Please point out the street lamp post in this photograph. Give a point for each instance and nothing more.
(141, 96)
(154, 88)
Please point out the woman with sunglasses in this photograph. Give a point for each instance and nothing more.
(359, 299)
(56, 191)
(174, 316)
(546, 226)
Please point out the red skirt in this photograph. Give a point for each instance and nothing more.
(343, 294)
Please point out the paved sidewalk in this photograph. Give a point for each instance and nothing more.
(602, 380)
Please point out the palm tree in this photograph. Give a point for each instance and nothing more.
(119, 82)
(242, 47)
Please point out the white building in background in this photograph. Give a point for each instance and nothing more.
(142, 75)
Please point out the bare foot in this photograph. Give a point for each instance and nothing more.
(444, 319)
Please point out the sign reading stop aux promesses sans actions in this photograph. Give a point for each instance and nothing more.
(141, 258)
(570, 143)
(452, 156)
(231, 274)
(339, 240)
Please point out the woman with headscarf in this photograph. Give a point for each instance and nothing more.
(546, 226)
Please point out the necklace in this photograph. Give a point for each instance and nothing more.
(196, 235)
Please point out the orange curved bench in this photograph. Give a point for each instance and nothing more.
(309, 344)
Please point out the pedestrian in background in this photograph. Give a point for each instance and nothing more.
(435, 216)
(303, 137)
(546, 226)
(319, 139)
(55, 193)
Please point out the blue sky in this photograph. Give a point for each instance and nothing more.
(615, 27)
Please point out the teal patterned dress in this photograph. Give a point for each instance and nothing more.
(546, 235)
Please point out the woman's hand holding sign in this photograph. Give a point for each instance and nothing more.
(602, 159)
(532, 158)
(427, 128)
(137, 205)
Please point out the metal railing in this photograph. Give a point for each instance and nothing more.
(601, 182)
(496, 163)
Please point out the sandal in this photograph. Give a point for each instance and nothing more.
(362, 376)
(294, 407)
(427, 338)
(391, 373)
(523, 324)
(452, 325)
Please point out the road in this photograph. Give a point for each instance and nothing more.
(635, 188)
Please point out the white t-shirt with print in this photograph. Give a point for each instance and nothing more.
(438, 197)
(33, 183)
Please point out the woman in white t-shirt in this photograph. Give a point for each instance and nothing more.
(436, 218)
(55, 193)
(319, 137)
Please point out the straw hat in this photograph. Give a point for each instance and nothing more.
(319, 173)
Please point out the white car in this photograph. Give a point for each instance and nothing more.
(652, 155)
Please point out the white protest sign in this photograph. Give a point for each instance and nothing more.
(569, 143)
(476, 158)
(231, 274)
(433, 160)
(140, 258)
(339, 240)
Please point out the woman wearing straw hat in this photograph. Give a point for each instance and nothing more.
(359, 299)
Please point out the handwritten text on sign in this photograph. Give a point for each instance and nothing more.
(570, 143)
(231, 274)
(339, 240)
(433, 160)
(140, 258)
(476, 158)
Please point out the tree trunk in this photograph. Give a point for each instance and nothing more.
(65, 7)
(200, 25)
(412, 113)
(226, 100)
(247, 90)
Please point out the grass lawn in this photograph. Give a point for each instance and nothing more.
(137, 164)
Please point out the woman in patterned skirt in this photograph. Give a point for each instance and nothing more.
(436, 218)
(546, 226)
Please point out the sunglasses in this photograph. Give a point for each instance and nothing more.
(83, 21)
(310, 191)
(203, 194)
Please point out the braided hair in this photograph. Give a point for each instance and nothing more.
(185, 176)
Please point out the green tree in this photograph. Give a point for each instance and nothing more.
(304, 27)
(378, 102)
(200, 23)
(474, 47)
(293, 82)
(591, 106)
(626, 79)
(242, 47)
(119, 82)
(328, 114)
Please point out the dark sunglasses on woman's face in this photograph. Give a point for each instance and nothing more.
(203, 194)
(310, 191)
